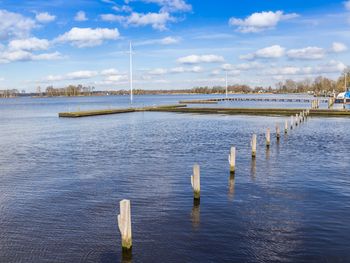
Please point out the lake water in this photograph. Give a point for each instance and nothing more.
(61, 181)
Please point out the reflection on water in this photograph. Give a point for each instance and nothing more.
(196, 213)
(231, 186)
(61, 181)
(267, 153)
(126, 256)
(253, 168)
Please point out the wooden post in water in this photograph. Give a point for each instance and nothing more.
(124, 224)
(253, 144)
(296, 119)
(278, 132)
(195, 182)
(291, 122)
(268, 138)
(301, 117)
(232, 159)
(285, 126)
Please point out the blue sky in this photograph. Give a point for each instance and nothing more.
(177, 43)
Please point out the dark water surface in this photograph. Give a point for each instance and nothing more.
(61, 181)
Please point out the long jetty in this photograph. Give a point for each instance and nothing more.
(216, 100)
(89, 113)
(182, 108)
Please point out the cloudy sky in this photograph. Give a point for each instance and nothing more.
(177, 43)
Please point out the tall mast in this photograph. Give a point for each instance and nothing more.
(226, 85)
(130, 74)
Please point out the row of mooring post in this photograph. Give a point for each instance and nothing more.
(331, 102)
(124, 218)
(315, 104)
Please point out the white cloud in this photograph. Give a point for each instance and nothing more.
(88, 37)
(242, 66)
(47, 56)
(257, 22)
(124, 8)
(29, 44)
(83, 74)
(113, 18)
(45, 17)
(80, 16)
(109, 72)
(176, 70)
(110, 76)
(347, 5)
(169, 41)
(338, 47)
(289, 70)
(54, 78)
(23, 55)
(196, 59)
(325, 68)
(156, 20)
(274, 51)
(116, 78)
(13, 25)
(194, 69)
(331, 66)
(171, 5)
(308, 53)
(158, 71)
(161, 41)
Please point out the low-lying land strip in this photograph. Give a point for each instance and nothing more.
(181, 108)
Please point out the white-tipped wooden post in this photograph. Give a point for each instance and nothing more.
(253, 144)
(291, 122)
(232, 159)
(268, 138)
(285, 126)
(195, 182)
(296, 119)
(124, 224)
(301, 117)
(278, 132)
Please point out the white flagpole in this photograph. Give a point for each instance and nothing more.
(130, 76)
(226, 85)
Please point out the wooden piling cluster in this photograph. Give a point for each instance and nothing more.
(331, 102)
(315, 104)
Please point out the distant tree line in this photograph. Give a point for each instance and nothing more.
(71, 90)
(9, 93)
(320, 86)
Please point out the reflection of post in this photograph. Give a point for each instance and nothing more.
(126, 256)
(195, 214)
(231, 186)
(267, 153)
(253, 168)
